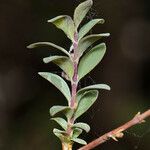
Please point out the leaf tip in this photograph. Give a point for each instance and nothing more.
(108, 88)
(40, 73)
(45, 60)
(30, 46)
(49, 21)
(44, 75)
(90, 2)
(102, 21)
(107, 34)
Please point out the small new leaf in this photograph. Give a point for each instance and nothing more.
(39, 44)
(62, 122)
(81, 11)
(58, 82)
(87, 27)
(91, 59)
(85, 102)
(63, 62)
(66, 24)
(80, 141)
(83, 126)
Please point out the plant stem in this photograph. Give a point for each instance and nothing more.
(66, 146)
(74, 82)
(117, 133)
(74, 85)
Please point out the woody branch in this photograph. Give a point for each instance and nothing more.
(118, 132)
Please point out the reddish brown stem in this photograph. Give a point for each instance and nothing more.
(74, 83)
(118, 132)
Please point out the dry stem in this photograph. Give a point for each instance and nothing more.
(118, 132)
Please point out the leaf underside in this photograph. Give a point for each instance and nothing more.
(87, 41)
(82, 125)
(57, 109)
(63, 62)
(66, 24)
(58, 82)
(39, 44)
(62, 122)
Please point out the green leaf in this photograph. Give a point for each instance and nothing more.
(62, 122)
(91, 59)
(81, 11)
(63, 62)
(76, 132)
(86, 101)
(38, 44)
(59, 133)
(80, 141)
(83, 126)
(64, 109)
(58, 82)
(56, 109)
(87, 41)
(94, 87)
(87, 27)
(64, 23)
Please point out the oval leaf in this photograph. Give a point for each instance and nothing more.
(87, 27)
(85, 102)
(83, 126)
(81, 11)
(58, 82)
(59, 133)
(80, 141)
(63, 62)
(94, 87)
(62, 122)
(91, 59)
(87, 41)
(57, 109)
(64, 23)
(76, 132)
(38, 44)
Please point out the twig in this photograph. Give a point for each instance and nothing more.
(74, 85)
(118, 132)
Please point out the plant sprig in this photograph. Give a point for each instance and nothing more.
(76, 63)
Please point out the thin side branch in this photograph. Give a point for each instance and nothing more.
(118, 132)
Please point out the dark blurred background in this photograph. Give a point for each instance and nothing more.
(25, 98)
